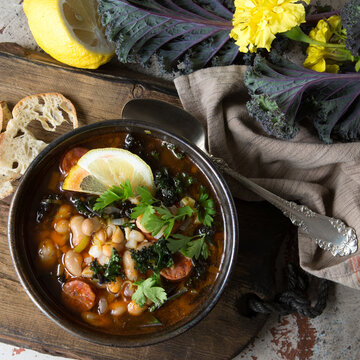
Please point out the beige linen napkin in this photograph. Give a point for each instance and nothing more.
(326, 178)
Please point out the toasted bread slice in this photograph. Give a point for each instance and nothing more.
(6, 189)
(5, 115)
(51, 109)
(18, 145)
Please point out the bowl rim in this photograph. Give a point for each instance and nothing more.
(36, 296)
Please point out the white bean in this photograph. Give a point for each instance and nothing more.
(118, 308)
(102, 305)
(127, 232)
(95, 251)
(61, 226)
(47, 253)
(129, 290)
(131, 244)
(87, 272)
(107, 250)
(91, 225)
(118, 236)
(134, 309)
(96, 319)
(103, 260)
(75, 226)
(129, 266)
(72, 262)
(110, 230)
(136, 236)
(101, 235)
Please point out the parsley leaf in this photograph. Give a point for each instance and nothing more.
(145, 195)
(107, 273)
(190, 246)
(157, 218)
(177, 242)
(115, 193)
(150, 289)
(205, 208)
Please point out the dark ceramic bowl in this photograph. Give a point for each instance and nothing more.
(23, 264)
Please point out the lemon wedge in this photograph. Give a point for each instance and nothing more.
(99, 169)
(69, 31)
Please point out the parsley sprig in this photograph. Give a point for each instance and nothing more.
(150, 289)
(205, 208)
(190, 246)
(115, 193)
(157, 218)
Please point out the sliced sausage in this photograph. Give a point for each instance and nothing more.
(78, 295)
(71, 158)
(180, 270)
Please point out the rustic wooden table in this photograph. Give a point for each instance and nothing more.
(333, 335)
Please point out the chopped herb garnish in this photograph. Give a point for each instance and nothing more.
(115, 193)
(205, 208)
(107, 273)
(177, 153)
(150, 289)
(157, 218)
(190, 246)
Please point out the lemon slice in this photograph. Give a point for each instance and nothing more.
(70, 31)
(99, 169)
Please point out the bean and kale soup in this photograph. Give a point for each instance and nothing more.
(128, 261)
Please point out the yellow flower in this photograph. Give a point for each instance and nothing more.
(256, 22)
(321, 58)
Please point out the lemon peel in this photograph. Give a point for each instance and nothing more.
(100, 169)
(69, 31)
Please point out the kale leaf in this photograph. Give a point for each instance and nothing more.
(46, 204)
(283, 93)
(154, 257)
(195, 34)
(169, 189)
(350, 19)
(109, 272)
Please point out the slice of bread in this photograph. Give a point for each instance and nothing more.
(18, 145)
(5, 115)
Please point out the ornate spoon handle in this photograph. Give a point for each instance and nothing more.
(329, 233)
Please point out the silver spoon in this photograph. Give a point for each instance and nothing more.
(329, 233)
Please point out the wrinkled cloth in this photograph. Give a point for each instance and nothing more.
(326, 178)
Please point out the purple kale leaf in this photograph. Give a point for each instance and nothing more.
(194, 33)
(283, 93)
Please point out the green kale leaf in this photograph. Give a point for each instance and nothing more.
(155, 257)
(283, 93)
(195, 34)
(350, 19)
(107, 273)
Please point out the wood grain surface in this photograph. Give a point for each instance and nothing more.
(100, 95)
